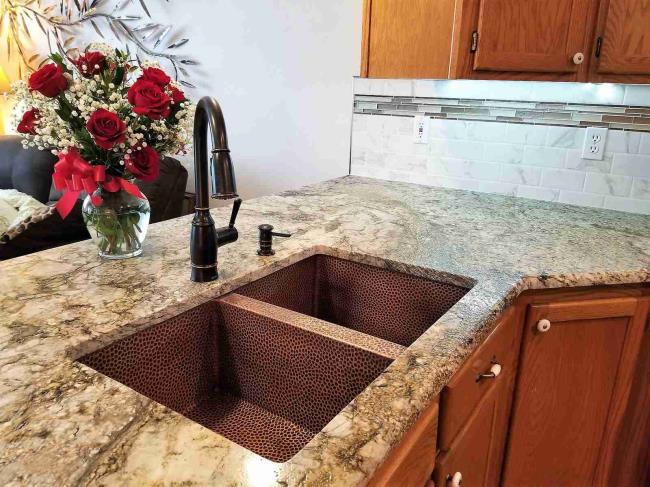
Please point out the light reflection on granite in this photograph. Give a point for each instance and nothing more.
(62, 423)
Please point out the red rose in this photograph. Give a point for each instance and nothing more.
(144, 164)
(177, 95)
(90, 63)
(48, 80)
(155, 75)
(106, 128)
(149, 99)
(28, 123)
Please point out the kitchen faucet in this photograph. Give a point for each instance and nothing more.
(205, 239)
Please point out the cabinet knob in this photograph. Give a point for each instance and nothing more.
(455, 480)
(543, 325)
(494, 372)
(578, 58)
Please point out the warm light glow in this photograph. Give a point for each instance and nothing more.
(4, 82)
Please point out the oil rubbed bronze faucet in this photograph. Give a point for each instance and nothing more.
(205, 239)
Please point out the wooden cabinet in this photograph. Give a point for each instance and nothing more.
(476, 453)
(570, 404)
(562, 40)
(474, 409)
(411, 463)
(622, 52)
(408, 41)
(574, 379)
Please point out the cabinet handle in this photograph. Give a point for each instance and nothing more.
(455, 480)
(543, 325)
(578, 58)
(494, 372)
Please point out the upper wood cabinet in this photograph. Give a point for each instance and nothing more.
(622, 52)
(562, 40)
(533, 36)
(395, 47)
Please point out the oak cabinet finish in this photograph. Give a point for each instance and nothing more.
(408, 41)
(624, 49)
(571, 405)
(477, 451)
(531, 36)
(412, 460)
(573, 385)
(474, 412)
(550, 40)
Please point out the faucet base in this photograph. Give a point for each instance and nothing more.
(204, 274)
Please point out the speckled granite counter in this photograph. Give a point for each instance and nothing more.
(62, 423)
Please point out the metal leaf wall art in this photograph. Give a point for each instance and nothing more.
(61, 22)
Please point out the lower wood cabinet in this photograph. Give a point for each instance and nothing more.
(568, 404)
(575, 375)
(476, 454)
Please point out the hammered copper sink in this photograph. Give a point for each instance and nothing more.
(271, 364)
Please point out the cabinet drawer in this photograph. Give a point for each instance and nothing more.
(476, 453)
(463, 393)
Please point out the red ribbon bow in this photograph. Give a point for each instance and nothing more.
(73, 174)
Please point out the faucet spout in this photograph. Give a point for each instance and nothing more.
(205, 238)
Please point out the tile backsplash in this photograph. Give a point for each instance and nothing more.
(530, 154)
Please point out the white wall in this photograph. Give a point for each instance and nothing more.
(282, 71)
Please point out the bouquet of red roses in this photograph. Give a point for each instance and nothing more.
(108, 119)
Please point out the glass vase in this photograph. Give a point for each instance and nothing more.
(118, 225)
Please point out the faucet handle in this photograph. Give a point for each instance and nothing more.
(235, 209)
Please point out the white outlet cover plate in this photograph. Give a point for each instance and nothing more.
(421, 130)
(594, 144)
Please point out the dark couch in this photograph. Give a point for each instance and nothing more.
(30, 171)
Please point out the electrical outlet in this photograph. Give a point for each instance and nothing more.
(421, 130)
(594, 145)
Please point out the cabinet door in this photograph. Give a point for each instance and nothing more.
(477, 451)
(574, 380)
(412, 461)
(624, 26)
(535, 36)
(407, 39)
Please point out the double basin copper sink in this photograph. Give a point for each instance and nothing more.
(269, 365)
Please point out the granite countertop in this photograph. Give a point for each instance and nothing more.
(62, 423)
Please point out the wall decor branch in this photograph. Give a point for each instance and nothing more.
(61, 22)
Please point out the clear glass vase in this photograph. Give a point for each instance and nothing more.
(118, 225)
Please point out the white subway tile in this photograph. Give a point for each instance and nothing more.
(627, 204)
(519, 133)
(497, 187)
(486, 131)
(641, 188)
(581, 199)
(644, 146)
(566, 137)
(508, 153)
(631, 165)
(575, 161)
(403, 144)
(620, 141)
(544, 156)
(460, 149)
(637, 95)
(404, 162)
(527, 175)
(563, 179)
(460, 168)
(608, 184)
(447, 129)
(538, 193)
